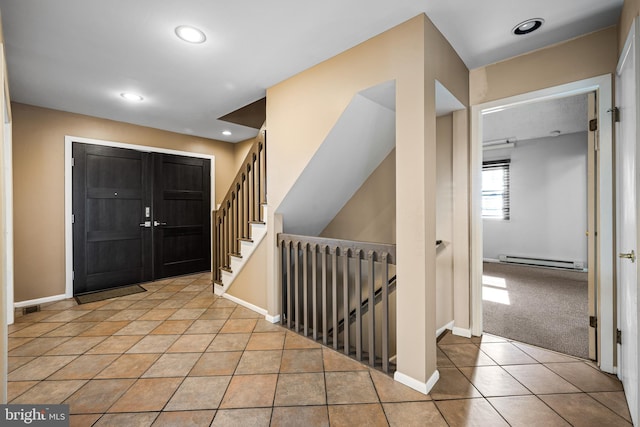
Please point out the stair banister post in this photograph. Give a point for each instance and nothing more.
(296, 286)
(371, 257)
(323, 251)
(314, 289)
(289, 285)
(334, 294)
(358, 258)
(281, 277)
(345, 303)
(385, 313)
(214, 246)
(263, 152)
(305, 285)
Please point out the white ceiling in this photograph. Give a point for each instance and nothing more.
(78, 55)
(537, 119)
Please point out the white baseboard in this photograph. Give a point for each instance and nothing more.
(245, 304)
(272, 319)
(490, 260)
(432, 381)
(461, 332)
(441, 331)
(454, 330)
(218, 290)
(252, 307)
(423, 388)
(39, 301)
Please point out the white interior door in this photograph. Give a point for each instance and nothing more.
(592, 167)
(627, 209)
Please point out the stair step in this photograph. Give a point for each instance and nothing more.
(258, 230)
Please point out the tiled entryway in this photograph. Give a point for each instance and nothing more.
(176, 355)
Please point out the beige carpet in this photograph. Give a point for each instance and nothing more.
(540, 306)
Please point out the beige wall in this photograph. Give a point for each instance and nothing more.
(302, 110)
(461, 223)
(240, 150)
(38, 156)
(4, 98)
(249, 283)
(370, 215)
(592, 55)
(444, 220)
(630, 10)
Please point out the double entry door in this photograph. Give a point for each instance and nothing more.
(138, 216)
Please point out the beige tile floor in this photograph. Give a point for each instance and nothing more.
(176, 355)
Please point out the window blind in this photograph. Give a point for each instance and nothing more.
(495, 189)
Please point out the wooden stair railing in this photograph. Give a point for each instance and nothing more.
(241, 207)
(325, 281)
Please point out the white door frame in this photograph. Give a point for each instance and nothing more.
(604, 279)
(8, 217)
(6, 229)
(633, 397)
(7, 168)
(68, 190)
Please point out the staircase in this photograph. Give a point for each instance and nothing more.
(239, 224)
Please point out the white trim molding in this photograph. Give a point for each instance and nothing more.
(7, 168)
(68, 190)
(423, 388)
(272, 319)
(441, 330)
(40, 301)
(269, 318)
(461, 332)
(246, 304)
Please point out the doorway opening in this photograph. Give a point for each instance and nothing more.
(602, 267)
(535, 214)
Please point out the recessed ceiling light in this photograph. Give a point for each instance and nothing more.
(190, 34)
(528, 26)
(226, 132)
(131, 96)
(555, 132)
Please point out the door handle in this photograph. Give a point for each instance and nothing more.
(146, 224)
(157, 223)
(631, 255)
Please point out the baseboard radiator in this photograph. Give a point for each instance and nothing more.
(542, 262)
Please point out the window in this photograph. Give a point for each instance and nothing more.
(495, 189)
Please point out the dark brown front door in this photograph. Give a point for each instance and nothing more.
(137, 216)
(181, 203)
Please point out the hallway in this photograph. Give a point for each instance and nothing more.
(178, 355)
